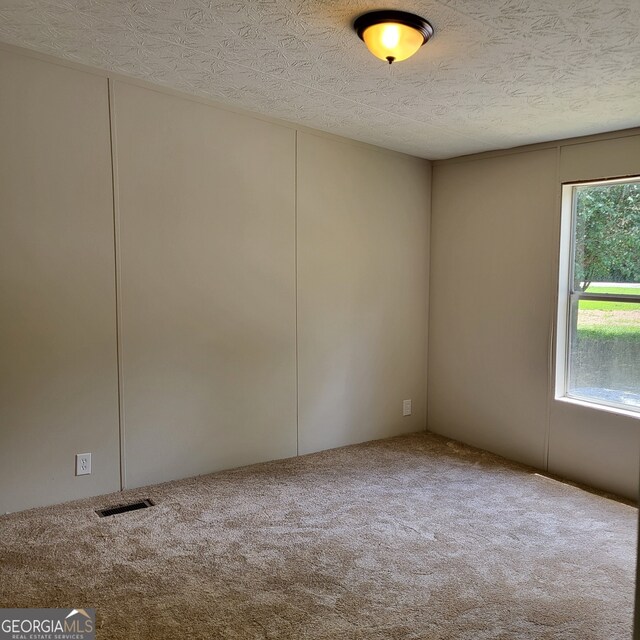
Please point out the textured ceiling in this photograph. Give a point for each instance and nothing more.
(498, 73)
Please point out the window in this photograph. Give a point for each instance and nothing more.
(598, 336)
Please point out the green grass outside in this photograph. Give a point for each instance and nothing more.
(606, 353)
(625, 291)
(616, 329)
(596, 305)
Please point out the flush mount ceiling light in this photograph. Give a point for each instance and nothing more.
(392, 35)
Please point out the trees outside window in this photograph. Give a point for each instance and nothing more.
(599, 344)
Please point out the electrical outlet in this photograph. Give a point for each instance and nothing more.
(83, 464)
(406, 407)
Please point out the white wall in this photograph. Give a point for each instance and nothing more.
(494, 279)
(210, 209)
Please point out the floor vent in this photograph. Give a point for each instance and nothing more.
(123, 508)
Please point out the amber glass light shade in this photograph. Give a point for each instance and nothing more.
(393, 35)
(392, 40)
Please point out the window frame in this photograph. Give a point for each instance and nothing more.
(568, 298)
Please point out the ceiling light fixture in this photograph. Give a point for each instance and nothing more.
(392, 35)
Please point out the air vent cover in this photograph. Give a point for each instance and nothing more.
(123, 508)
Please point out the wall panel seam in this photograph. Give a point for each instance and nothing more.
(118, 281)
(551, 368)
(295, 213)
(428, 301)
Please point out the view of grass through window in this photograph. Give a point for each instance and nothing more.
(604, 353)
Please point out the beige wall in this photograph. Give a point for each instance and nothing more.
(494, 279)
(273, 292)
(205, 257)
(491, 271)
(363, 237)
(58, 372)
(207, 262)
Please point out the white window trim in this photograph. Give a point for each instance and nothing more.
(566, 296)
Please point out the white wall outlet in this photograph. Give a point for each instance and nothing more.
(83, 464)
(406, 407)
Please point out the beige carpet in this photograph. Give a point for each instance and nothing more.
(413, 537)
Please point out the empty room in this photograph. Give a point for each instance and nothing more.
(319, 320)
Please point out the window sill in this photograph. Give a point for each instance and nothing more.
(587, 404)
